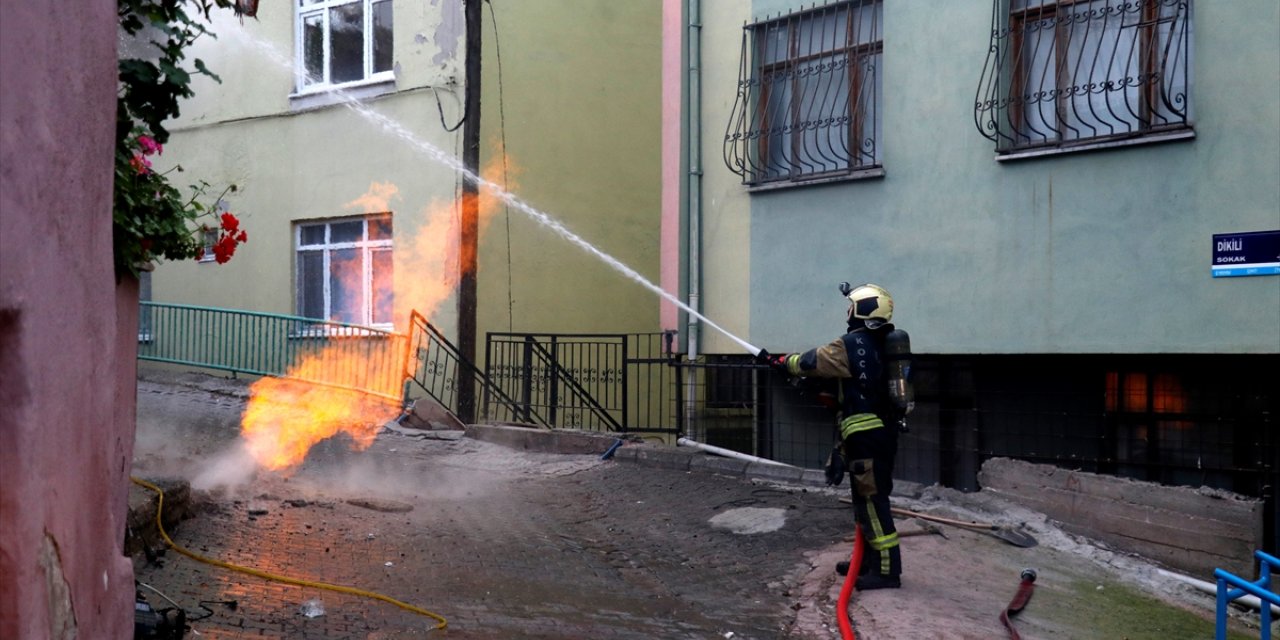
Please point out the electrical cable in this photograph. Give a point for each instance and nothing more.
(502, 134)
(273, 576)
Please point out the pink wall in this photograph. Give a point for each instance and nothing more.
(67, 329)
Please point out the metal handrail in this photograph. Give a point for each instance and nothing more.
(434, 365)
(1260, 588)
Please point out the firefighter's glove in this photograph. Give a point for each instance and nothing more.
(777, 361)
(835, 467)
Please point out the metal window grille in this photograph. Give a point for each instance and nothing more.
(1061, 73)
(808, 102)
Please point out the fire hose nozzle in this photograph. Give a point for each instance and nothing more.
(1029, 575)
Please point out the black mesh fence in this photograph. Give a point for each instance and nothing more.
(1203, 420)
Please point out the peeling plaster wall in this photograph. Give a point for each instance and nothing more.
(67, 329)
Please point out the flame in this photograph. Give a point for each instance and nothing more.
(285, 417)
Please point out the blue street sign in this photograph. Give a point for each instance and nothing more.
(1252, 253)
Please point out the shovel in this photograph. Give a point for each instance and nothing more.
(1012, 536)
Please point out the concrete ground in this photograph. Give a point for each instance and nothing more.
(503, 540)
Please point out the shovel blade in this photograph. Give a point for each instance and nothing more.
(1015, 537)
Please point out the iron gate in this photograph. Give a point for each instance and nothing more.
(603, 382)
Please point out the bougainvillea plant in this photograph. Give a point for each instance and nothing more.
(151, 218)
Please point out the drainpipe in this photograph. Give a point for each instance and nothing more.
(693, 107)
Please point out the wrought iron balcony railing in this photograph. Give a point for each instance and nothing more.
(1063, 73)
(808, 101)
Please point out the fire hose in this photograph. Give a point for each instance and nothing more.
(850, 577)
(273, 576)
(1020, 600)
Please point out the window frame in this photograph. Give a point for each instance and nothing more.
(367, 248)
(304, 8)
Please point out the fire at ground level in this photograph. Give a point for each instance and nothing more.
(510, 543)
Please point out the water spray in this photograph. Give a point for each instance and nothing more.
(450, 161)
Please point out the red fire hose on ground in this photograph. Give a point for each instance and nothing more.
(850, 577)
(1020, 600)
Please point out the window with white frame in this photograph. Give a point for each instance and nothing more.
(343, 42)
(1071, 73)
(344, 270)
(809, 94)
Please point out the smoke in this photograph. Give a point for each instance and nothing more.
(230, 470)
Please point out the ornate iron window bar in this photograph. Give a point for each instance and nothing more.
(808, 102)
(1065, 72)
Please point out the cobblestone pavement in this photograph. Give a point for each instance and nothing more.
(502, 544)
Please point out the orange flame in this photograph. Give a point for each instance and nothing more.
(285, 417)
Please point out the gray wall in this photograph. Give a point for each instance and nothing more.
(1105, 251)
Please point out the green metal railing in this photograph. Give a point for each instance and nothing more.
(317, 351)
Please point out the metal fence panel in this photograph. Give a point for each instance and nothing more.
(321, 352)
(607, 382)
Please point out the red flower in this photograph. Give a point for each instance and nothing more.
(242, 237)
(140, 163)
(223, 249)
(230, 223)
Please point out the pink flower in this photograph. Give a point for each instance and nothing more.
(140, 163)
(149, 145)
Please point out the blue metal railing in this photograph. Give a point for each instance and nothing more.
(321, 352)
(1260, 588)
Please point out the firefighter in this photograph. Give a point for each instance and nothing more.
(870, 367)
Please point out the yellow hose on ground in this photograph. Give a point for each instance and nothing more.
(272, 576)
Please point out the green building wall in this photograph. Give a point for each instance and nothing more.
(299, 159)
(1100, 252)
(573, 88)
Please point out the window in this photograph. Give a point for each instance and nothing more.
(808, 104)
(145, 323)
(343, 41)
(1070, 72)
(344, 270)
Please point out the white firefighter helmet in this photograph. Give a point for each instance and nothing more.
(869, 303)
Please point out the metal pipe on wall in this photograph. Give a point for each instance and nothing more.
(693, 100)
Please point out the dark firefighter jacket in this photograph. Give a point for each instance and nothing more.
(857, 361)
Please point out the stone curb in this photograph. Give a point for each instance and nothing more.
(537, 439)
